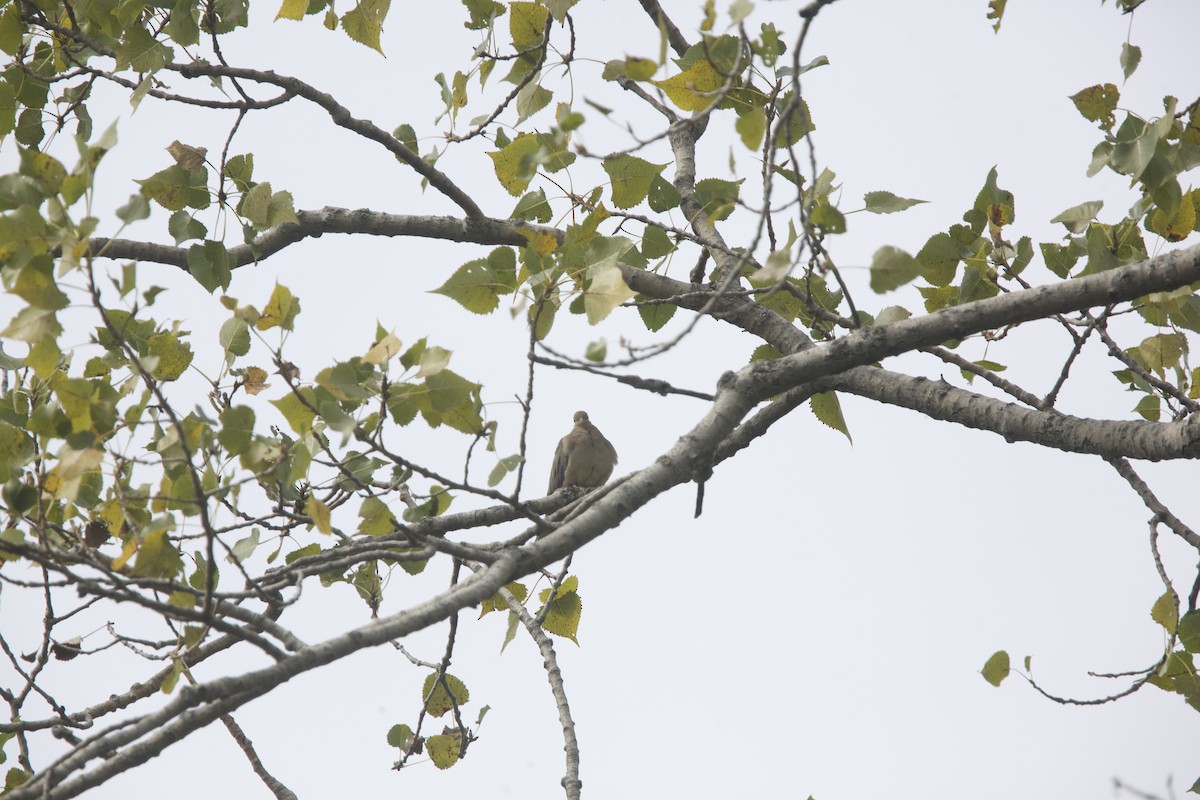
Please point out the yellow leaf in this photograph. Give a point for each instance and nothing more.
(292, 9)
(543, 243)
(694, 89)
(383, 350)
(126, 554)
(319, 513)
(607, 291)
(254, 380)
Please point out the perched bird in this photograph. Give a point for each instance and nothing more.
(583, 457)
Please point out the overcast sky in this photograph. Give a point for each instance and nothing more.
(821, 628)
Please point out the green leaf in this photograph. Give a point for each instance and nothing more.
(364, 22)
(663, 195)
(141, 52)
(482, 13)
(244, 548)
(1165, 611)
(656, 243)
(631, 178)
(298, 415)
(173, 355)
(997, 205)
(475, 286)
(533, 206)
(376, 518)
(752, 126)
(566, 609)
(888, 203)
(182, 226)
(237, 426)
(267, 209)
(176, 188)
(1131, 56)
(532, 99)
(35, 285)
(996, 12)
(717, 198)
(208, 263)
(826, 407)
(891, 268)
(1189, 631)
(157, 557)
(655, 315)
(795, 125)
(526, 24)
(1077, 218)
(1097, 104)
(1149, 408)
(439, 701)
(444, 750)
(516, 163)
(401, 735)
(939, 259)
(997, 668)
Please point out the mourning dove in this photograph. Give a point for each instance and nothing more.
(583, 457)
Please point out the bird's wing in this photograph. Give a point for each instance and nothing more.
(558, 467)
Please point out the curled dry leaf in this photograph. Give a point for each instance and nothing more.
(187, 156)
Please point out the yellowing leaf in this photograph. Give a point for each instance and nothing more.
(1179, 225)
(173, 355)
(254, 380)
(157, 557)
(364, 23)
(299, 414)
(516, 164)
(1165, 611)
(526, 24)
(187, 156)
(996, 669)
(607, 291)
(281, 310)
(292, 9)
(1097, 103)
(752, 126)
(383, 350)
(433, 360)
(695, 88)
(542, 243)
(828, 409)
(319, 513)
(443, 750)
(438, 700)
(631, 178)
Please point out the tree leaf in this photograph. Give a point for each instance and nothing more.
(1165, 611)
(364, 22)
(1097, 104)
(996, 669)
(631, 178)
(281, 310)
(439, 701)
(888, 203)
(694, 89)
(891, 268)
(1131, 56)
(826, 407)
